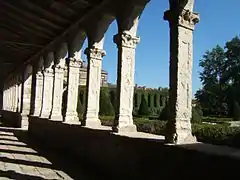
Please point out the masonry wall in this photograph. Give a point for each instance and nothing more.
(121, 157)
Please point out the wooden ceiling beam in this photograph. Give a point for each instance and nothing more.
(21, 11)
(26, 32)
(30, 24)
(46, 11)
(21, 44)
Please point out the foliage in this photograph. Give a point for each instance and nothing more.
(196, 116)
(143, 109)
(220, 78)
(164, 115)
(106, 107)
(220, 134)
(80, 108)
(236, 115)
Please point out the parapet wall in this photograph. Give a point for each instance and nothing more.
(10, 118)
(126, 157)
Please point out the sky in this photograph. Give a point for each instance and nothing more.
(219, 22)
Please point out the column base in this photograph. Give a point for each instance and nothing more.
(125, 128)
(54, 117)
(181, 138)
(92, 122)
(71, 117)
(24, 121)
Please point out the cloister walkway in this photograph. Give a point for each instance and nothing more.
(23, 158)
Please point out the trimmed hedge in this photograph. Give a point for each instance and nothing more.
(219, 134)
(216, 120)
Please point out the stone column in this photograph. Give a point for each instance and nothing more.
(182, 22)
(94, 56)
(47, 93)
(19, 99)
(15, 104)
(4, 97)
(126, 44)
(39, 87)
(27, 87)
(74, 63)
(60, 56)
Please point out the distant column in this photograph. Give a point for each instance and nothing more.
(27, 88)
(60, 60)
(39, 87)
(94, 56)
(74, 63)
(47, 85)
(182, 22)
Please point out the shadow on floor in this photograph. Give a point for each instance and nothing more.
(21, 157)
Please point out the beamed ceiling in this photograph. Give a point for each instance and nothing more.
(26, 26)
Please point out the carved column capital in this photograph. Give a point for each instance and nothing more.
(73, 62)
(184, 18)
(48, 71)
(126, 40)
(95, 53)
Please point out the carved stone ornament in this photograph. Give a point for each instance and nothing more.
(74, 62)
(188, 19)
(126, 40)
(184, 18)
(95, 53)
(48, 71)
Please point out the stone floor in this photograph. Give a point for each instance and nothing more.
(21, 158)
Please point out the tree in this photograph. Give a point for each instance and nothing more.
(143, 108)
(106, 108)
(212, 97)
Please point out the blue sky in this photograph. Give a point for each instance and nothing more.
(219, 23)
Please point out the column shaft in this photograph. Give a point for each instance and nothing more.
(125, 81)
(59, 67)
(27, 84)
(94, 56)
(39, 88)
(180, 94)
(72, 90)
(74, 63)
(47, 92)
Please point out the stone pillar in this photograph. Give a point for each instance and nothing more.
(60, 56)
(4, 97)
(94, 56)
(15, 92)
(27, 87)
(182, 22)
(73, 63)
(126, 44)
(47, 93)
(39, 87)
(19, 99)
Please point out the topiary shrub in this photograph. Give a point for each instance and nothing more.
(106, 108)
(196, 117)
(80, 108)
(164, 114)
(143, 109)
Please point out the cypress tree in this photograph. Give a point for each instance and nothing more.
(143, 109)
(106, 107)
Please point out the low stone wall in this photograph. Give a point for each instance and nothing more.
(10, 118)
(124, 157)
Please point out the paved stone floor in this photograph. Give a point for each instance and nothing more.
(21, 159)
